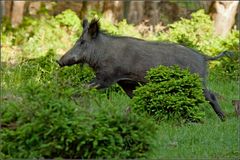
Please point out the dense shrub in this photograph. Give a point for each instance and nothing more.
(197, 32)
(49, 125)
(171, 93)
(229, 67)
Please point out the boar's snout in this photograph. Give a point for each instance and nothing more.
(59, 63)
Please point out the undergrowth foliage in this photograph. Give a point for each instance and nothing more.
(48, 127)
(170, 94)
(53, 117)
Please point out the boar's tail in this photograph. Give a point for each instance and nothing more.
(225, 53)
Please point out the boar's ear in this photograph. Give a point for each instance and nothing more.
(85, 23)
(94, 28)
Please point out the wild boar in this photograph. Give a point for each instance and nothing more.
(125, 60)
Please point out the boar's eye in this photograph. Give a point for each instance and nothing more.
(82, 42)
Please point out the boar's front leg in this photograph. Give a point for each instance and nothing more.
(93, 84)
(99, 83)
(102, 80)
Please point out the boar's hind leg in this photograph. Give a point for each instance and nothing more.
(213, 102)
(128, 86)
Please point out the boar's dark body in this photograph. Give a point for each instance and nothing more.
(125, 60)
(130, 58)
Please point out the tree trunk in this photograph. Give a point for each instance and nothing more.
(118, 10)
(107, 10)
(223, 14)
(151, 12)
(7, 8)
(136, 11)
(2, 7)
(17, 13)
(113, 10)
(94, 6)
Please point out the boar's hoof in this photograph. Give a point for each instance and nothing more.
(93, 85)
(59, 63)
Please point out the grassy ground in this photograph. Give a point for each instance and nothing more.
(212, 139)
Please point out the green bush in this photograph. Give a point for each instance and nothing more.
(171, 93)
(229, 67)
(197, 32)
(48, 124)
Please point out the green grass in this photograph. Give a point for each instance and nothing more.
(226, 90)
(213, 139)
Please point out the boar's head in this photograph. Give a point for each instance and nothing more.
(83, 47)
